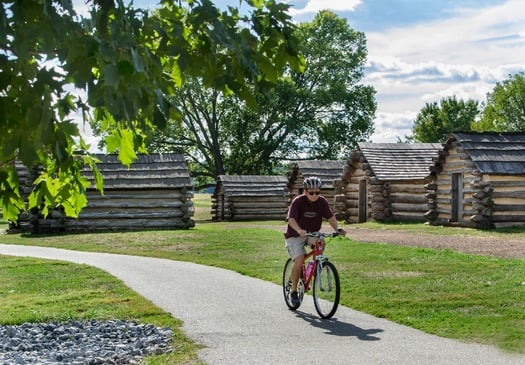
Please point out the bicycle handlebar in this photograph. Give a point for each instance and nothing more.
(322, 234)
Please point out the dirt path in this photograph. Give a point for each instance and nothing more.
(500, 246)
(492, 246)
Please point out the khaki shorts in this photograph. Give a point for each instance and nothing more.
(295, 246)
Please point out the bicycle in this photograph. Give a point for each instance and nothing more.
(326, 286)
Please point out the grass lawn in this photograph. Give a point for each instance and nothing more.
(468, 297)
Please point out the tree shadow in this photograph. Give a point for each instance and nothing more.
(338, 328)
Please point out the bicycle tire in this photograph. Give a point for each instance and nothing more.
(287, 285)
(326, 290)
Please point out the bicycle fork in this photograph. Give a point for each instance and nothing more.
(324, 282)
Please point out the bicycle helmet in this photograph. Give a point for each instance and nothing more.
(312, 182)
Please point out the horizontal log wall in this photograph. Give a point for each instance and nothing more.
(508, 199)
(249, 208)
(256, 209)
(133, 199)
(407, 200)
(135, 210)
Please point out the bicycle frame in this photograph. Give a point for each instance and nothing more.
(315, 255)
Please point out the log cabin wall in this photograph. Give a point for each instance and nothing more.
(452, 190)
(250, 197)
(329, 171)
(508, 200)
(353, 206)
(479, 181)
(386, 182)
(155, 192)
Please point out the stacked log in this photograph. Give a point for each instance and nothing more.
(250, 197)
(432, 214)
(482, 204)
(352, 174)
(381, 207)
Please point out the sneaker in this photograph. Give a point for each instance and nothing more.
(294, 298)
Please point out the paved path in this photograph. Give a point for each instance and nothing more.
(242, 320)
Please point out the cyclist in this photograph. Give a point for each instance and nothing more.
(305, 214)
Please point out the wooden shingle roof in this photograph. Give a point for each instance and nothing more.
(151, 171)
(252, 185)
(493, 153)
(326, 170)
(400, 161)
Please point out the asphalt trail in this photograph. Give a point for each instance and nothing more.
(242, 320)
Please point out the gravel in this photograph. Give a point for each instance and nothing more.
(76, 342)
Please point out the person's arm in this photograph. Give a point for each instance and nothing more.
(333, 223)
(295, 226)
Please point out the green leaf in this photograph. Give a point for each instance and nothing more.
(125, 69)
(256, 3)
(269, 71)
(111, 75)
(113, 141)
(127, 151)
(176, 75)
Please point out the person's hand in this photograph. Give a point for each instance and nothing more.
(302, 233)
(341, 231)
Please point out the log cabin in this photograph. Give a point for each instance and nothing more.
(155, 192)
(478, 181)
(386, 182)
(250, 197)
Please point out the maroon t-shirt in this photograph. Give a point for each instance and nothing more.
(309, 215)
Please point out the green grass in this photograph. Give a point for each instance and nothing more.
(34, 290)
(202, 204)
(467, 297)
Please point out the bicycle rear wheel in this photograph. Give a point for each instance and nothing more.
(327, 290)
(287, 285)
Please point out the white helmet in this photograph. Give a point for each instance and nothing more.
(312, 182)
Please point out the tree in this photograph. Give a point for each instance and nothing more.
(505, 107)
(436, 121)
(200, 134)
(318, 113)
(129, 63)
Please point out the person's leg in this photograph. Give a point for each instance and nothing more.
(297, 271)
(296, 250)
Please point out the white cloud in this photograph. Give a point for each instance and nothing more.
(464, 55)
(391, 127)
(314, 6)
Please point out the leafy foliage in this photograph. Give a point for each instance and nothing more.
(318, 113)
(436, 121)
(505, 107)
(129, 63)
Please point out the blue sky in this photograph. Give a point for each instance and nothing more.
(421, 51)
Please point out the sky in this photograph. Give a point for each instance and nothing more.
(421, 51)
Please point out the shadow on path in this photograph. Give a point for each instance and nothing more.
(338, 328)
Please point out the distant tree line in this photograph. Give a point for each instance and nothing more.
(503, 111)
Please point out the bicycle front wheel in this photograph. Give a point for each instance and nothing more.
(327, 290)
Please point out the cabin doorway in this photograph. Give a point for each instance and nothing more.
(362, 201)
(457, 197)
